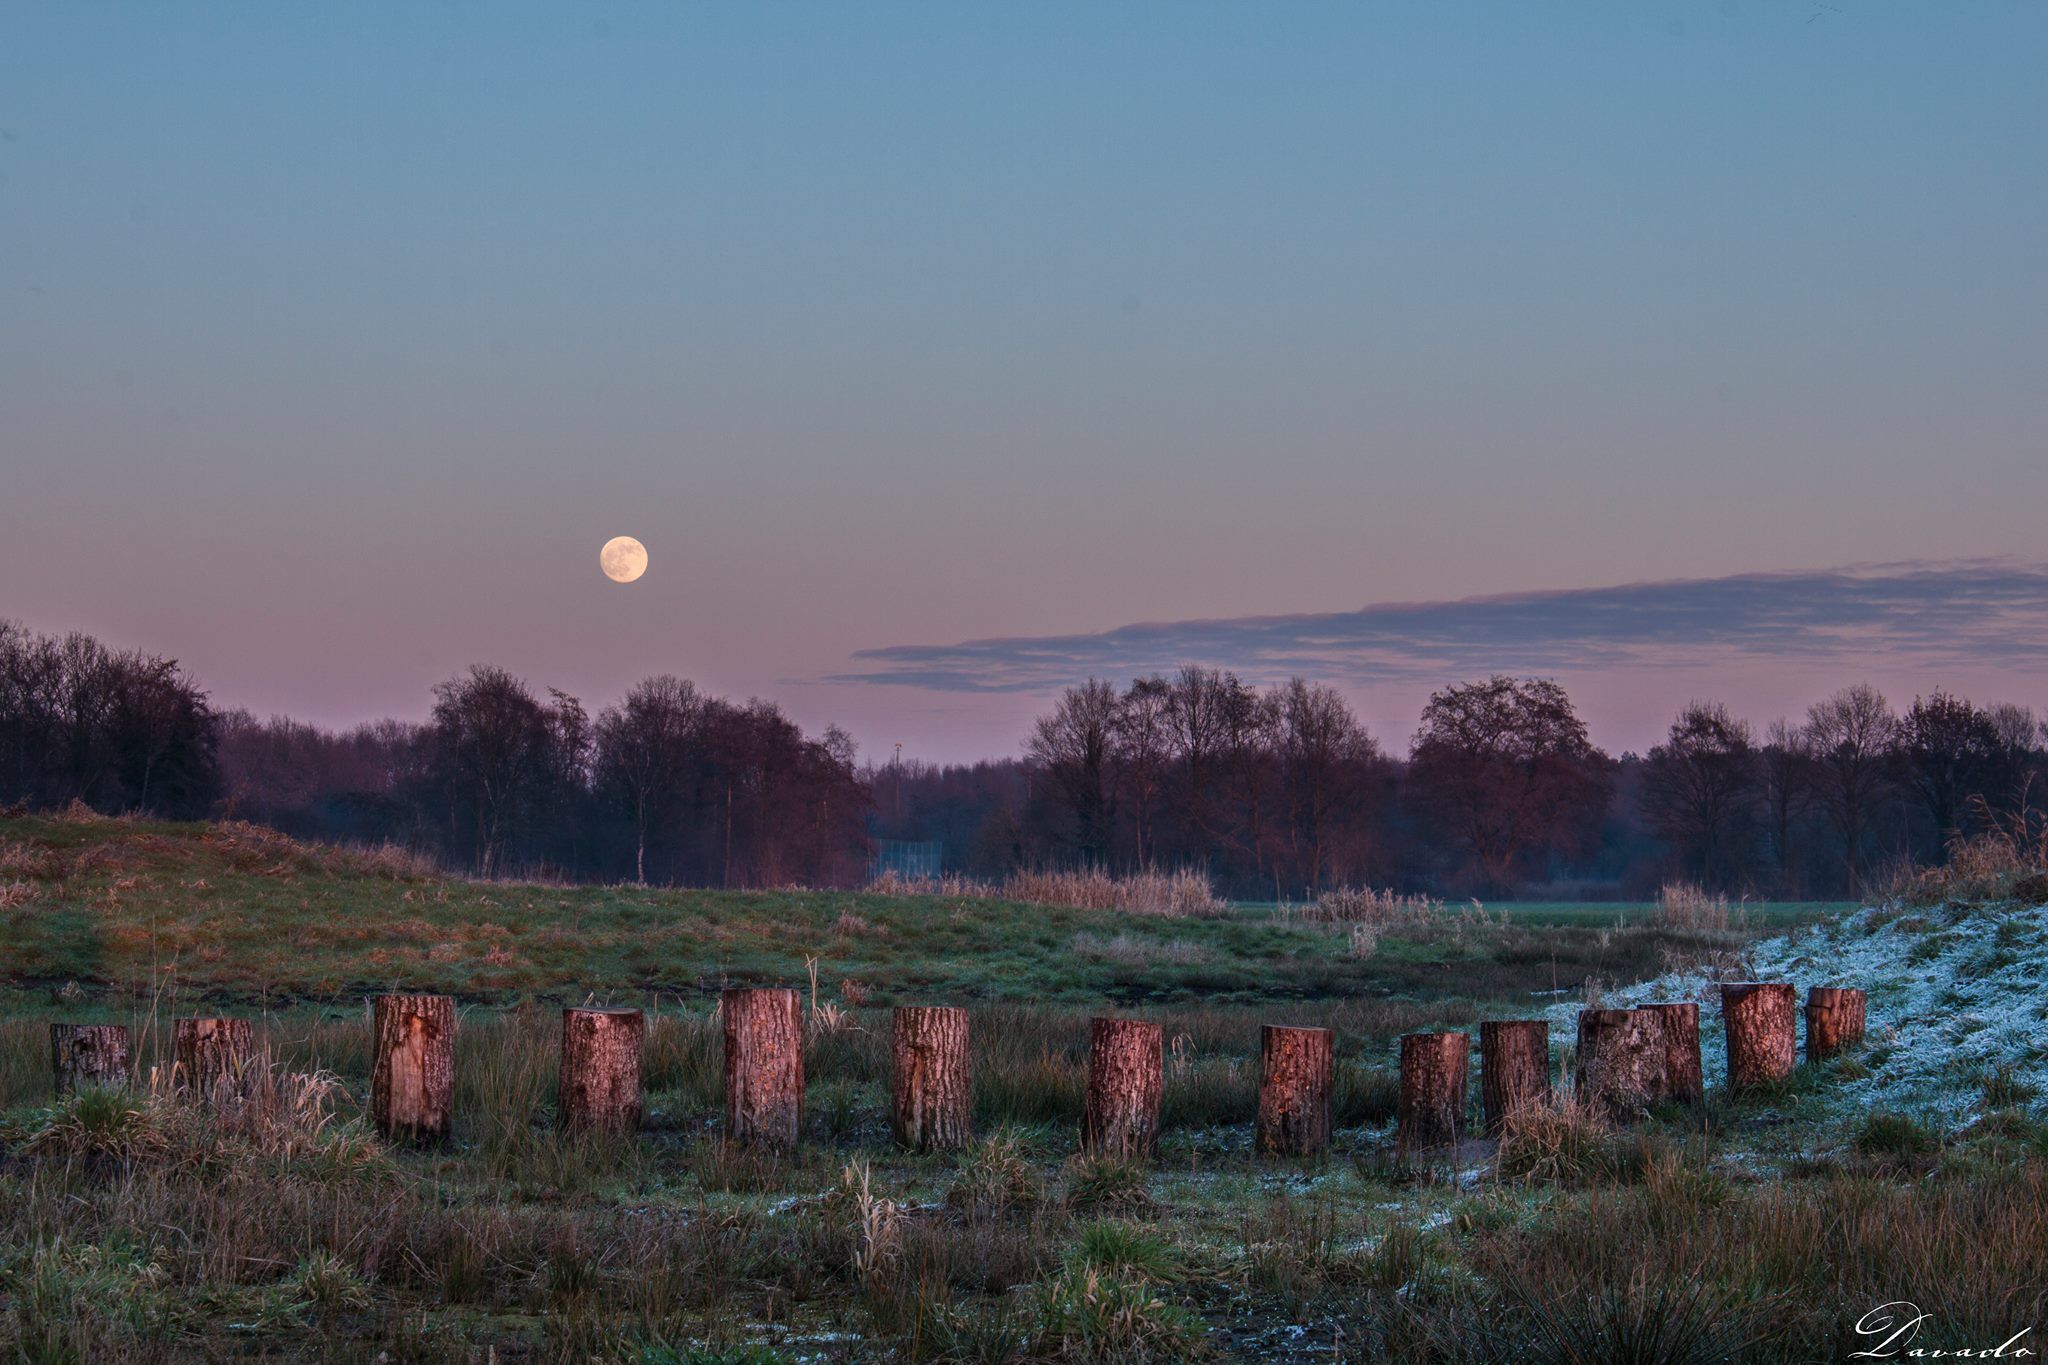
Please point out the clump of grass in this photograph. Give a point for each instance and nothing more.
(1087, 1315)
(1151, 892)
(1122, 1248)
(1563, 1138)
(1368, 907)
(328, 1284)
(1108, 1183)
(1687, 906)
(995, 1178)
(1897, 1135)
(2004, 1087)
(94, 1125)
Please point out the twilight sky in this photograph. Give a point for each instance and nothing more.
(928, 348)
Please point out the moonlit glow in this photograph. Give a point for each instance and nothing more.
(623, 559)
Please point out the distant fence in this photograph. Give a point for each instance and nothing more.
(907, 858)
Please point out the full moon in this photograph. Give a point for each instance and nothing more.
(623, 559)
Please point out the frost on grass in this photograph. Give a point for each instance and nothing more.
(1958, 994)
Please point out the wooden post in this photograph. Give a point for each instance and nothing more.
(1681, 1027)
(1834, 1020)
(1762, 1023)
(1126, 1077)
(1433, 1073)
(932, 1097)
(412, 1065)
(1621, 1059)
(209, 1053)
(599, 1086)
(764, 1067)
(88, 1054)
(1514, 1067)
(1296, 1066)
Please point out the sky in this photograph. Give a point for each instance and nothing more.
(336, 339)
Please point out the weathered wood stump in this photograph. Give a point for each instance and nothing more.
(1514, 1067)
(764, 1067)
(931, 1095)
(1433, 1083)
(209, 1054)
(599, 1085)
(1126, 1077)
(1762, 1022)
(1681, 1026)
(88, 1054)
(1621, 1059)
(1834, 1020)
(1296, 1069)
(412, 1065)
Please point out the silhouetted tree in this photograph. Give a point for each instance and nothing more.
(1076, 747)
(1505, 768)
(1849, 737)
(1700, 787)
(1946, 751)
(644, 748)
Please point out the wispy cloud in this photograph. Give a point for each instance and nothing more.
(1949, 613)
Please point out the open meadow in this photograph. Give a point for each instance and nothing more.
(141, 1225)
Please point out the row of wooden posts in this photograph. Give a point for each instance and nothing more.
(1626, 1059)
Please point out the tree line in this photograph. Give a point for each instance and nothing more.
(1275, 791)
(1280, 792)
(668, 786)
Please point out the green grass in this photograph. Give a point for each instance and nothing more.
(139, 1227)
(236, 915)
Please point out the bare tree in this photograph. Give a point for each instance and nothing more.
(1785, 764)
(1946, 750)
(1849, 737)
(1144, 748)
(1507, 769)
(1326, 760)
(1700, 786)
(644, 748)
(1076, 746)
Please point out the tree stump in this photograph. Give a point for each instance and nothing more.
(1433, 1073)
(932, 1096)
(1762, 1023)
(599, 1086)
(88, 1054)
(1621, 1059)
(764, 1067)
(208, 1054)
(1514, 1067)
(1296, 1066)
(412, 1065)
(1834, 1020)
(1681, 1025)
(1126, 1077)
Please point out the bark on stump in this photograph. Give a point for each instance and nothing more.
(208, 1054)
(1514, 1067)
(1762, 1023)
(932, 1095)
(412, 1065)
(764, 1067)
(1126, 1077)
(1433, 1075)
(88, 1054)
(1681, 1024)
(1834, 1020)
(1296, 1066)
(1621, 1059)
(599, 1086)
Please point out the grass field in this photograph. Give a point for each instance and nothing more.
(142, 1227)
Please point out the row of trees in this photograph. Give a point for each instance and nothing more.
(670, 785)
(1281, 791)
(1275, 791)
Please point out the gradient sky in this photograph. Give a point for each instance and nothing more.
(336, 339)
